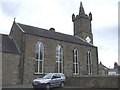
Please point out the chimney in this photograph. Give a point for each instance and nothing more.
(52, 29)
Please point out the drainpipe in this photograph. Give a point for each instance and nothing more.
(22, 57)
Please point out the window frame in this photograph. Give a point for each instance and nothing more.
(40, 59)
(89, 62)
(59, 59)
(75, 62)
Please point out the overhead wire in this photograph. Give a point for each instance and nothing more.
(11, 11)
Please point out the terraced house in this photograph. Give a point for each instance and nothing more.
(29, 51)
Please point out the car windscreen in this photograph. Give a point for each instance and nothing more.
(47, 76)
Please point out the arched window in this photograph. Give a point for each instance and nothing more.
(59, 59)
(39, 58)
(75, 62)
(89, 63)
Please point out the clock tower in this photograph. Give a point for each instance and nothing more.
(82, 25)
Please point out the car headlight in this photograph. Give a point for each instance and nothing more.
(36, 82)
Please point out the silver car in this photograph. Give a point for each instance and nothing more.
(50, 80)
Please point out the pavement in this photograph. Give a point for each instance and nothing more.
(18, 86)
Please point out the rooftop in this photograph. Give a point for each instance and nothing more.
(27, 29)
(7, 44)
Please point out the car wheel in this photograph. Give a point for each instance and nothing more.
(62, 84)
(48, 86)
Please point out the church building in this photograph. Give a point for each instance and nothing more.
(28, 51)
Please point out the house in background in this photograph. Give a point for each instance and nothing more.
(28, 51)
(103, 70)
(115, 70)
(10, 60)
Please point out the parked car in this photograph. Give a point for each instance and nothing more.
(49, 80)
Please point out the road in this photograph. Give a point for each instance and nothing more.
(29, 87)
(56, 89)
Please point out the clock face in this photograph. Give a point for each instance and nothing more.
(88, 39)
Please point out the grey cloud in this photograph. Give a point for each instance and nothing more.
(107, 32)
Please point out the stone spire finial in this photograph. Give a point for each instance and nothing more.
(14, 19)
(81, 10)
(90, 16)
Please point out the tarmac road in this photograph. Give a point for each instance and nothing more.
(29, 87)
(56, 89)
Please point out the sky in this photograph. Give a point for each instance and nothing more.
(58, 14)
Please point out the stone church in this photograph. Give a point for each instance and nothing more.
(28, 51)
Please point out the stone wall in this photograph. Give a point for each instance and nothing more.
(94, 81)
(10, 71)
(17, 35)
(0, 69)
(50, 58)
(119, 82)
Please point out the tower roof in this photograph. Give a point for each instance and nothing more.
(81, 9)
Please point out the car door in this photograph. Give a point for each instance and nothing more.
(54, 80)
(58, 79)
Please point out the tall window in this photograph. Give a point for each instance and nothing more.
(59, 59)
(89, 63)
(75, 62)
(39, 58)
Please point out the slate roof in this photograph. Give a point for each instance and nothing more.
(101, 66)
(52, 34)
(7, 44)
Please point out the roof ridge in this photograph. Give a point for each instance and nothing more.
(20, 27)
(44, 29)
(31, 26)
(41, 32)
(83, 40)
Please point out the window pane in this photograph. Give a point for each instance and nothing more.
(74, 56)
(36, 56)
(73, 68)
(57, 67)
(60, 59)
(41, 51)
(60, 68)
(89, 62)
(41, 55)
(76, 59)
(90, 69)
(37, 51)
(36, 66)
(75, 52)
(76, 68)
(40, 66)
(37, 48)
(89, 59)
